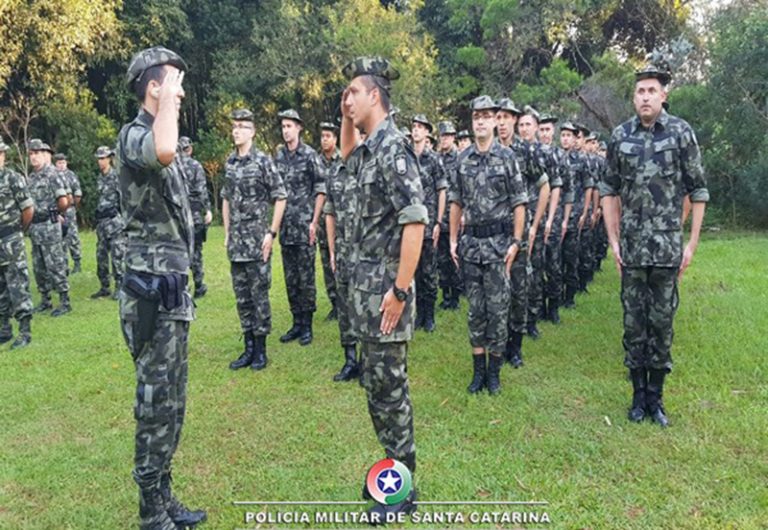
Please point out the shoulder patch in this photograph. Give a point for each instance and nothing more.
(401, 165)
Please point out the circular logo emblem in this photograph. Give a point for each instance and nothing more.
(389, 481)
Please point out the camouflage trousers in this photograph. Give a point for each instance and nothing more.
(600, 243)
(72, 239)
(487, 289)
(426, 275)
(198, 273)
(50, 265)
(570, 252)
(536, 278)
(299, 270)
(553, 265)
(586, 251)
(518, 298)
(325, 259)
(15, 299)
(251, 281)
(385, 380)
(344, 312)
(650, 299)
(161, 395)
(110, 246)
(449, 276)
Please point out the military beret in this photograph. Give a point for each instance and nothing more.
(508, 105)
(653, 71)
(103, 152)
(290, 114)
(420, 118)
(483, 103)
(328, 126)
(463, 134)
(184, 142)
(530, 111)
(446, 127)
(59, 156)
(36, 144)
(547, 118)
(155, 56)
(569, 126)
(241, 115)
(3, 146)
(377, 66)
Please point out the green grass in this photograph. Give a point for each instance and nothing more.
(557, 432)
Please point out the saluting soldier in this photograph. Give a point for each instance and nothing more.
(72, 236)
(330, 159)
(110, 238)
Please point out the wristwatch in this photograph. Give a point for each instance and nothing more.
(517, 242)
(273, 234)
(400, 294)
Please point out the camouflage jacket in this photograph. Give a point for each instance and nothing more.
(389, 196)
(433, 180)
(303, 180)
(450, 161)
(251, 184)
(197, 188)
(581, 180)
(341, 203)
(533, 167)
(46, 187)
(73, 183)
(489, 186)
(651, 171)
(108, 208)
(14, 197)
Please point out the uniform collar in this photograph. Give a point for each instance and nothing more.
(661, 122)
(377, 135)
(145, 118)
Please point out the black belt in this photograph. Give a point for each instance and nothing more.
(8, 230)
(489, 229)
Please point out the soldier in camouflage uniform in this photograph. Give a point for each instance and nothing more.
(199, 199)
(463, 139)
(387, 235)
(553, 259)
(252, 183)
(434, 184)
(110, 238)
(653, 163)
(299, 166)
(16, 212)
(489, 192)
(592, 199)
(49, 261)
(450, 279)
(329, 162)
(155, 304)
(535, 177)
(72, 237)
(599, 237)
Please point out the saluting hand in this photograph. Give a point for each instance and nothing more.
(391, 309)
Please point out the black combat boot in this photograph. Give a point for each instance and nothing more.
(570, 294)
(295, 331)
(181, 516)
(653, 404)
(25, 333)
(6, 331)
(77, 267)
(494, 368)
(553, 314)
(103, 292)
(639, 384)
(514, 353)
(333, 314)
(246, 358)
(45, 304)
(418, 323)
(429, 316)
(532, 329)
(200, 290)
(306, 329)
(479, 374)
(455, 293)
(350, 370)
(64, 305)
(152, 512)
(259, 353)
(446, 298)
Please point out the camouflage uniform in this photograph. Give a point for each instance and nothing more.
(328, 167)
(600, 235)
(553, 259)
(15, 299)
(449, 278)
(199, 200)
(581, 180)
(111, 242)
(587, 235)
(72, 239)
(251, 184)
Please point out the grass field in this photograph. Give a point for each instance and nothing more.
(557, 433)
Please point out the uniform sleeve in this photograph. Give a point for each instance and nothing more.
(454, 190)
(318, 175)
(328, 207)
(226, 193)
(401, 171)
(61, 188)
(555, 175)
(137, 148)
(77, 190)
(274, 180)
(441, 177)
(589, 176)
(20, 191)
(694, 181)
(540, 165)
(518, 193)
(611, 181)
(201, 182)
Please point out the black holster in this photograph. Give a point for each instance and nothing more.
(151, 290)
(201, 233)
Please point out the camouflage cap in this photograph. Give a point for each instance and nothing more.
(445, 128)
(36, 144)
(508, 105)
(422, 119)
(463, 134)
(184, 142)
(582, 128)
(103, 152)
(377, 66)
(241, 115)
(155, 56)
(547, 118)
(569, 126)
(290, 114)
(530, 111)
(653, 71)
(3, 146)
(483, 103)
(592, 137)
(329, 126)
(59, 156)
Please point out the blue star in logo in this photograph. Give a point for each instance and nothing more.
(389, 481)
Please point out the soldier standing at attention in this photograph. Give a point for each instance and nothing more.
(489, 192)
(155, 304)
(200, 201)
(386, 242)
(252, 183)
(450, 280)
(49, 191)
(16, 212)
(329, 162)
(298, 166)
(591, 202)
(653, 163)
(72, 237)
(464, 140)
(434, 184)
(110, 238)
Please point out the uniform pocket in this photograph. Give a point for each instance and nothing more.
(372, 193)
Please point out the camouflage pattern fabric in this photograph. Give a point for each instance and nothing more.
(433, 180)
(449, 276)
(329, 167)
(200, 202)
(535, 278)
(488, 294)
(110, 238)
(72, 239)
(581, 181)
(251, 281)
(553, 258)
(299, 272)
(15, 299)
(426, 275)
